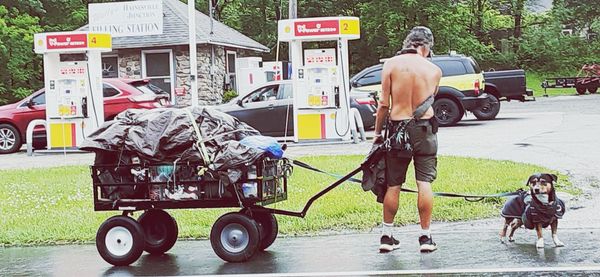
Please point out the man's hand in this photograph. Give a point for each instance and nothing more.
(377, 139)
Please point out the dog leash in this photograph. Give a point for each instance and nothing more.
(466, 197)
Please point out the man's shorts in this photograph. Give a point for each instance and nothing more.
(424, 145)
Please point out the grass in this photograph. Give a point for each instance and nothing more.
(535, 79)
(54, 205)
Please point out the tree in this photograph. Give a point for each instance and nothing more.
(21, 67)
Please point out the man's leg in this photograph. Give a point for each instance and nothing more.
(390, 207)
(425, 203)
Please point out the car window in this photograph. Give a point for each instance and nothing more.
(109, 91)
(262, 94)
(39, 100)
(371, 78)
(149, 88)
(285, 92)
(475, 66)
(451, 68)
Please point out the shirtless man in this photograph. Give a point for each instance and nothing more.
(408, 79)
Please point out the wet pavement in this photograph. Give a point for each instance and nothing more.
(460, 250)
(561, 133)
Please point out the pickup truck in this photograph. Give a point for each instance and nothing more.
(505, 85)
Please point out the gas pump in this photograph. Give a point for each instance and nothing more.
(73, 85)
(320, 77)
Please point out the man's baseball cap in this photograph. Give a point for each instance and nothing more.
(419, 36)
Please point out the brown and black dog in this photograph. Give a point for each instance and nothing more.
(536, 209)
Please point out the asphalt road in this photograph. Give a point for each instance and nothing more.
(560, 133)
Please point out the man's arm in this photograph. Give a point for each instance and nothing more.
(384, 101)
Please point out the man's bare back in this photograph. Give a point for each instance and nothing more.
(408, 80)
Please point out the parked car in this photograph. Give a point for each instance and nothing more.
(461, 86)
(503, 85)
(266, 108)
(119, 95)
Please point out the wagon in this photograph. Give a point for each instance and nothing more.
(155, 188)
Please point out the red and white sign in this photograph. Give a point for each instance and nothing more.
(316, 28)
(66, 41)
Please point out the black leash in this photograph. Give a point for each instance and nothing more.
(467, 197)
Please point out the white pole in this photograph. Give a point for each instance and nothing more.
(193, 54)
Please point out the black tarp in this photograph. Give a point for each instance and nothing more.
(166, 135)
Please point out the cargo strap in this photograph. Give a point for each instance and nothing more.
(467, 197)
(199, 142)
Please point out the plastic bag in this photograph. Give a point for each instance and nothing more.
(267, 144)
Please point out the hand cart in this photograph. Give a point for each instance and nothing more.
(234, 237)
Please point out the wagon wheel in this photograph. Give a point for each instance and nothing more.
(235, 237)
(120, 240)
(592, 90)
(580, 90)
(160, 231)
(267, 226)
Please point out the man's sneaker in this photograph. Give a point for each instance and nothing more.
(388, 244)
(427, 244)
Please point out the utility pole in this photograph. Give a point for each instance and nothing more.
(293, 13)
(193, 54)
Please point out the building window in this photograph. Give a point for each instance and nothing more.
(110, 67)
(157, 66)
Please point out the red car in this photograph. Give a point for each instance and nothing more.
(119, 95)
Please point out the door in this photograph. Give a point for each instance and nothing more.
(257, 110)
(157, 66)
(284, 109)
(25, 114)
(230, 80)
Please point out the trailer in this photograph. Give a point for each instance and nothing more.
(589, 81)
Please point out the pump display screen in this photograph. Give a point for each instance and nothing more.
(79, 57)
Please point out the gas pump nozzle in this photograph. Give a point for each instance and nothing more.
(336, 95)
(84, 109)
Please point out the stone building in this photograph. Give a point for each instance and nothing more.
(164, 59)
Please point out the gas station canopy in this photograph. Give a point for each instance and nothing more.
(72, 42)
(321, 28)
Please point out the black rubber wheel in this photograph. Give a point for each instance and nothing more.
(160, 231)
(580, 90)
(120, 240)
(268, 228)
(592, 90)
(10, 139)
(488, 111)
(447, 111)
(235, 237)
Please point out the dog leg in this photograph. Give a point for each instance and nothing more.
(554, 227)
(540, 240)
(504, 229)
(513, 227)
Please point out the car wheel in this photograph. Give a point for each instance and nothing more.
(580, 90)
(592, 90)
(488, 111)
(446, 111)
(10, 139)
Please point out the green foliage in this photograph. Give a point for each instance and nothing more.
(228, 95)
(20, 66)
